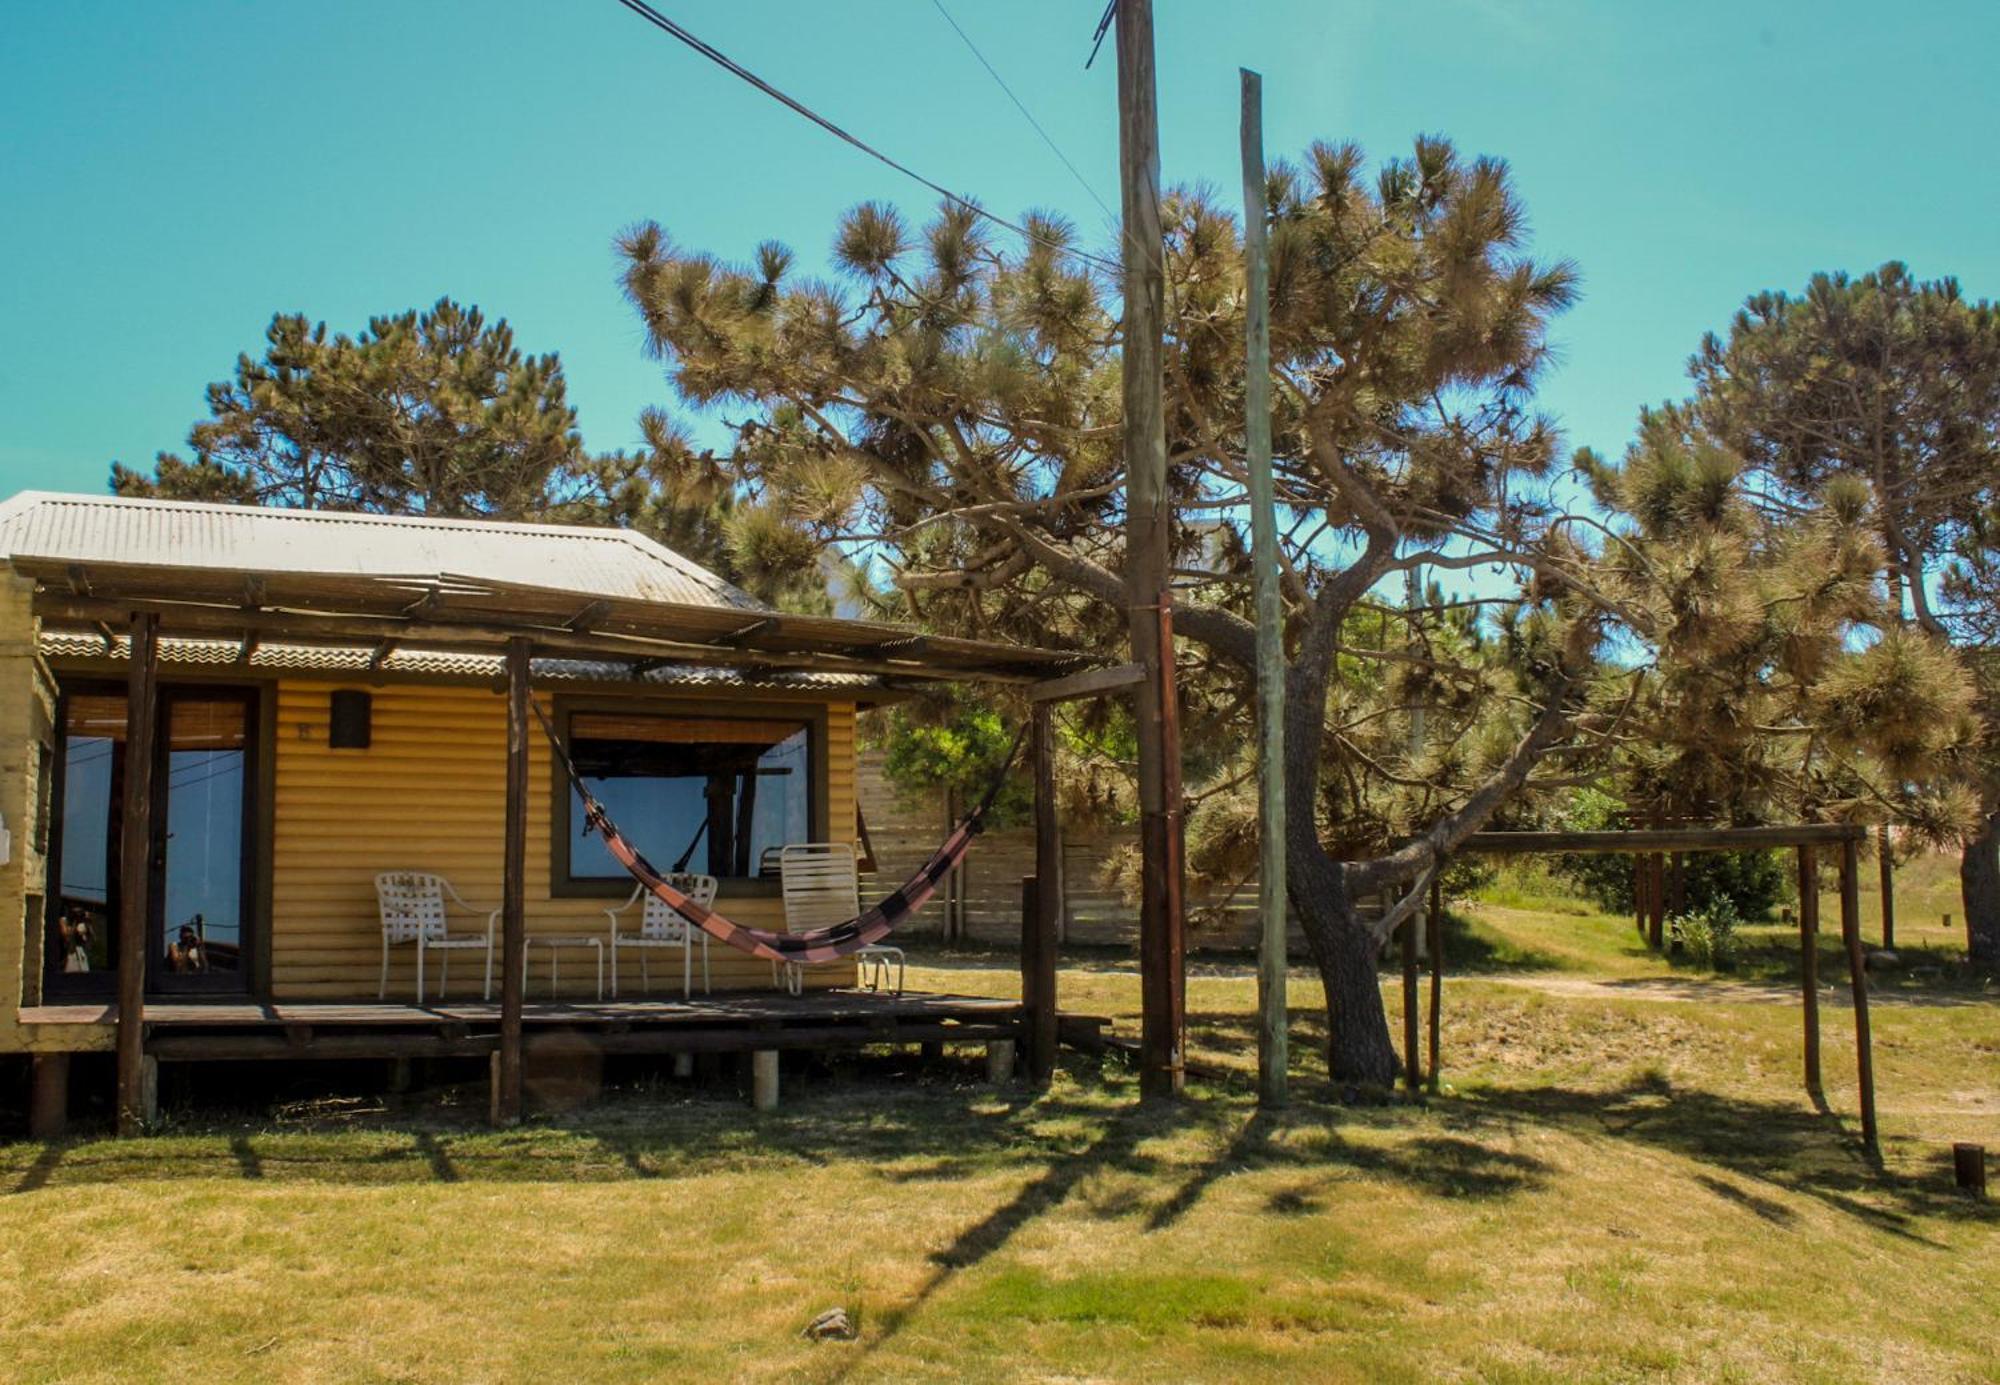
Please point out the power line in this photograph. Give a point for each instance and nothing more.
(742, 73)
(1022, 107)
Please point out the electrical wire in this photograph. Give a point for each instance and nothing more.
(1022, 107)
(742, 73)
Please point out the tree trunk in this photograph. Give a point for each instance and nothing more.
(1979, 886)
(1359, 1049)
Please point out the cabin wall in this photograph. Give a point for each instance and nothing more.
(429, 794)
(26, 714)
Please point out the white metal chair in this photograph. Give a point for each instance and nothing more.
(412, 904)
(660, 926)
(822, 886)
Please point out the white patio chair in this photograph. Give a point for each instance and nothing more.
(822, 886)
(413, 911)
(660, 926)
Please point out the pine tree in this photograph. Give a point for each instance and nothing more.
(420, 413)
(1892, 384)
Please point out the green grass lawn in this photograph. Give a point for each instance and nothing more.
(1622, 1180)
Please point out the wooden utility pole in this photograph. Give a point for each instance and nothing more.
(513, 891)
(1148, 549)
(1272, 1040)
(135, 874)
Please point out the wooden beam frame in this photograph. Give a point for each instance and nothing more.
(1092, 682)
(318, 627)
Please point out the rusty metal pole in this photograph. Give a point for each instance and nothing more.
(1148, 546)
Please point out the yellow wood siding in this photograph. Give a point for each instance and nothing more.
(429, 794)
(26, 702)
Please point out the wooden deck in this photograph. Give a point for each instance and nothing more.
(193, 1031)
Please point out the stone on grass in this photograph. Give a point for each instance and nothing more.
(831, 1326)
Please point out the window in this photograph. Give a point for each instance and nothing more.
(713, 795)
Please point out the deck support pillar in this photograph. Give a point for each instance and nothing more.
(764, 1079)
(513, 891)
(48, 1100)
(135, 870)
(1857, 977)
(999, 1060)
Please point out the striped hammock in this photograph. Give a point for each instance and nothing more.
(828, 944)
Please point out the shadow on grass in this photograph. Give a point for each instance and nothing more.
(1790, 1148)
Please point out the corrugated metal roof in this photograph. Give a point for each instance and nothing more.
(570, 558)
(450, 663)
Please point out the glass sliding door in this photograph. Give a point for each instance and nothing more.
(82, 947)
(200, 883)
(198, 935)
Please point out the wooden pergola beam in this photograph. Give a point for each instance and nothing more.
(1091, 682)
(315, 627)
(1652, 840)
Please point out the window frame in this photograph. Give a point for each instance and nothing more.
(252, 976)
(564, 829)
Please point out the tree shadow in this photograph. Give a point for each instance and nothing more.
(1778, 1145)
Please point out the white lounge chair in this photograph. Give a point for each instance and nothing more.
(822, 887)
(412, 904)
(660, 926)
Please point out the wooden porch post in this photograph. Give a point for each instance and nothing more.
(1857, 977)
(1809, 962)
(513, 890)
(135, 865)
(1045, 919)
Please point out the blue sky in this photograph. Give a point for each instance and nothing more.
(174, 174)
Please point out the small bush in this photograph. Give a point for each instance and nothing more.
(1707, 936)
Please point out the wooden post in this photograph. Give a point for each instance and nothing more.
(1273, 1041)
(1044, 919)
(1413, 1067)
(1857, 977)
(764, 1079)
(1886, 870)
(1968, 1167)
(1656, 924)
(1437, 971)
(513, 888)
(135, 870)
(1148, 546)
(48, 1099)
(1809, 962)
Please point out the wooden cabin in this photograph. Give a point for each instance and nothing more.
(326, 697)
